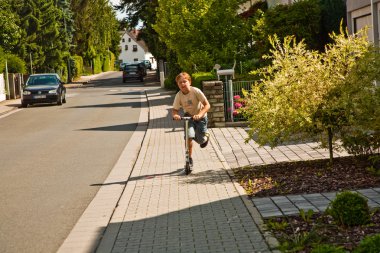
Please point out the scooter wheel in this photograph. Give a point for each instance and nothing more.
(187, 168)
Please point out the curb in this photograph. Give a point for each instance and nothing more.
(108, 239)
(9, 106)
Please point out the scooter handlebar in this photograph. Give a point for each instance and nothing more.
(185, 118)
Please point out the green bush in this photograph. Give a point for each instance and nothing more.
(77, 69)
(98, 64)
(361, 142)
(198, 60)
(199, 77)
(247, 66)
(349, 209)
(326, 248)
(170, 83)
(107, 63)
(15, 64)
(370, 244)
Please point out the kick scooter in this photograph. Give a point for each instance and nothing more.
(188, 166)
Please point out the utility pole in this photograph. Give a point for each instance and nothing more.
(68, 59)
(6, 79)
(375, 27)
(31, 63)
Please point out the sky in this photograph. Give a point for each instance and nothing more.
(119, 14)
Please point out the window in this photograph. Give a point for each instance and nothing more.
(364, 21)
(126, 47)
(129, 39)
(123, 40)
(134, 48)
(136, 59)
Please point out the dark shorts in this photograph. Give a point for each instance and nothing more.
(197, 129)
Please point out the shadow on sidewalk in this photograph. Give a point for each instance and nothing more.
(143, 177)
(214, 225)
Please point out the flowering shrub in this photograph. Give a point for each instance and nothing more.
(238, 104)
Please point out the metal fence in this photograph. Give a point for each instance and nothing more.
(234, 99)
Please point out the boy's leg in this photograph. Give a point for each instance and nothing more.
(201, 132)
(191, 135)
(190, 143)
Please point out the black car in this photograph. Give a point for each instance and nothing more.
(133, 71)
(43, 88)
(147, 64)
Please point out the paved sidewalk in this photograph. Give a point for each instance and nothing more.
(8, 106)
(163, 210)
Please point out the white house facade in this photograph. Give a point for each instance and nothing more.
(133, 50)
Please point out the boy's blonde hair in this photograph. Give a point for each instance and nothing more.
(184, 75)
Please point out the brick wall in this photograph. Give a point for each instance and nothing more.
(213, 90)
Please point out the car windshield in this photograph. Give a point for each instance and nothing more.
(42, 80)
(131, 67)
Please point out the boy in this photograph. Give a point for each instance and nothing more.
(195, 105)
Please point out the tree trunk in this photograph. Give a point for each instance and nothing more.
(330, 136)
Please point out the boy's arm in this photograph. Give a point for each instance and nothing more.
(176, 107)
(175, 114)
(202, 112)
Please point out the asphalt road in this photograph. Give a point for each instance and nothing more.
(53, 159)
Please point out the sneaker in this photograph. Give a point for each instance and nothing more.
(204, 144)
(191, 161)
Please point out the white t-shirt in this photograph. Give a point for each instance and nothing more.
(190, 102)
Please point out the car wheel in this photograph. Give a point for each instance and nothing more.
(24, 105)
(59, 101)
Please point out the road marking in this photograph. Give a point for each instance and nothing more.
(70, 95)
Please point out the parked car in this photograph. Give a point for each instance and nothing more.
(122, 65)
(148, 65)
(133, 71)
(43, 88)
(142, 65)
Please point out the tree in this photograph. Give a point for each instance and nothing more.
(10, 32)
(304, 93)
(201, 32)
(40, 40)
(301, 19)
(96, 29)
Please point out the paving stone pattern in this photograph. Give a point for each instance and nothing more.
(162, 210)
(231, 141)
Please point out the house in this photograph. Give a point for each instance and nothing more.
(362, 13)
(133, 50)
(272, 3)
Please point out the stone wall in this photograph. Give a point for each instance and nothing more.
(213, 90)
